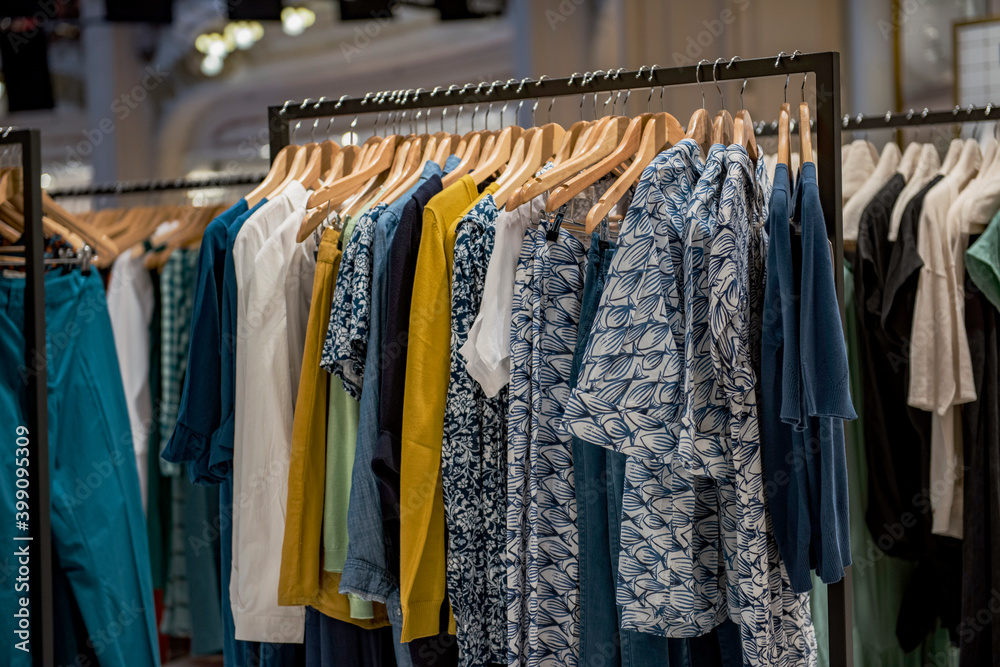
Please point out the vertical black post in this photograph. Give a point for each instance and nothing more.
(828, 139)
(277, 126)
(35, 374)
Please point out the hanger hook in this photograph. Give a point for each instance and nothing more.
(583, 95)
(805, 75)
(697, 78)
(744, 86)
(607, 76)
(548, 115)
(716, 80)
(651, 88)
(520, 88)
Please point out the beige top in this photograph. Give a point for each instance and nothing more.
(884, 170)
(940, 363)
(926, 169)
(859, 163)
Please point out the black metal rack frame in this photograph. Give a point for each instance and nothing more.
(164, 185)
(825, 67)
(39, 539)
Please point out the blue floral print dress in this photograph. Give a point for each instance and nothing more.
(473, 463)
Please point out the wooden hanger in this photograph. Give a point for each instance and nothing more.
(722, 128)
(337, 192)
(659, 133)
(805, 135)
(329, 150)
(542, 145)
(105, 247)
(500, 155)
(276, 174)
(609, 139)
(743, 134)
(784, 137)
(8, 232)
(470, 157)
(570, 138)
(145, 222)
(699, 128)
(437, 145)
(627, 148)
(489, 142)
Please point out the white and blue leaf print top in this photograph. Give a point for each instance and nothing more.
(668, 379)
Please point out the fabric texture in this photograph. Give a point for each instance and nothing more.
(130, 308)
(99, 544)
(473, 462)
(422, 527)
(542, 538)
(940, 366)
(262, 420)
(200, 408)
(303, 580)
(982, 261)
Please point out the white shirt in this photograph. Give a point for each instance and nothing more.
(940, 363)
(260, 467)
(926, 169)
(884, 170)
(487, 350)
(130, 307)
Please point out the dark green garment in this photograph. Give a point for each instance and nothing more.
(158, 493)
(878, 581)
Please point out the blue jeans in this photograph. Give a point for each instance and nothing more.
(599, 475)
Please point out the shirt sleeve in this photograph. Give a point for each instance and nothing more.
(823, 350)
(201, 406)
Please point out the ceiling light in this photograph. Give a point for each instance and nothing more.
(294, 20)
(211, 65)
(243, 35)
(349, 139)
(46, 181)
(217, 48)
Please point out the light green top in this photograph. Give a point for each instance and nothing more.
(982, 261)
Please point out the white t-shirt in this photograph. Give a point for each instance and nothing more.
(260, 464)
(940, 363)
(487, 350)
(130, 307)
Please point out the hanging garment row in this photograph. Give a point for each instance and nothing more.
(926, 272)
(103, 363)
(553, 285)
(495, 396)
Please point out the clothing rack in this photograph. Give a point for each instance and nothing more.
(900, 120)
(825, 66)
(164, 185)
(39, 538)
